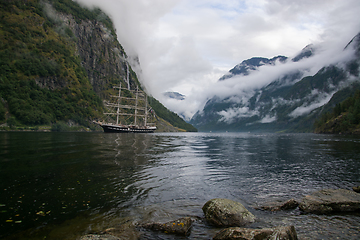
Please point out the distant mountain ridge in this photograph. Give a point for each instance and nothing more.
(290, 102)
(175, 95)
(252, 64)
(306, 52)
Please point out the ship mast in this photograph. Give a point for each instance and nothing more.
(139, 111)
(118, 106)
(136, 103)
(146, 111)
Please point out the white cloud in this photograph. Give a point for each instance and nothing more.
(305, 108)
(186, 46)
(229, 115)
(268, 119)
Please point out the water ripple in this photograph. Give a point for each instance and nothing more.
(99, 179)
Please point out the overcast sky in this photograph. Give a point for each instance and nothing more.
(187, 45)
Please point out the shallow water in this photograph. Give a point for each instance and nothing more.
(64, 185)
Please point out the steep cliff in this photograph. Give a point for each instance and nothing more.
(58, 62)
(102, 56)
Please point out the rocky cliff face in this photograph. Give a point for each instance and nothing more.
(102, 56)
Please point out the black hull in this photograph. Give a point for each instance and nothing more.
(124, 129)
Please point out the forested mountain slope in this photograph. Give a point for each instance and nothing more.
(58, 62)
(344, 118)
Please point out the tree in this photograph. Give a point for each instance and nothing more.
(11, 122)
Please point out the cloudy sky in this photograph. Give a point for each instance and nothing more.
(187, 45)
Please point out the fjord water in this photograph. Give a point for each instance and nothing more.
(64, 185)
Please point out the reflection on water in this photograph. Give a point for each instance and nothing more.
(63, 185)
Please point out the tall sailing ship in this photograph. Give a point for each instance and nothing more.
(134, 108)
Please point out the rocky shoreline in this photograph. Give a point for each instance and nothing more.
(233, 218)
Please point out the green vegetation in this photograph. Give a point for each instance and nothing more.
(344, 118)
(169, 116)
(72, 8)
(2, 111)
(41, 80)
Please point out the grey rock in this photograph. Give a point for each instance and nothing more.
(99, 237)
(101, 55)
(127, 230)
(331, 200)
(228, 213)
(279, 206)
(180, 226)
(278, 233)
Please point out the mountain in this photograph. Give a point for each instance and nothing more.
(290, 101)
(247, 66)
(59, 62)
(171, 117)
(174, 95)
(306, 52)
(344, 118)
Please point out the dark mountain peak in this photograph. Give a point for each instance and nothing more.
(174, 95)
(252, 64)
(260, 61)
(306, 52)
(355, 43)
(279, 58)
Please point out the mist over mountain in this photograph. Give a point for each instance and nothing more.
(306, 52)
(252, 64)
(282, 94)
(174, 95)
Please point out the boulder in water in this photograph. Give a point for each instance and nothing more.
(357, 189)
(99, 237)
(227, 213)
(331, 200)
(181, 226)
(279, 206)
(278, 233)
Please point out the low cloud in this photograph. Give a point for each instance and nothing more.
(229, 115)
(268, 119)
(307, 108)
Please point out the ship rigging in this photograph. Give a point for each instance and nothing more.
(130, 107)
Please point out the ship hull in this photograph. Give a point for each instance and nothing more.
(126, 129)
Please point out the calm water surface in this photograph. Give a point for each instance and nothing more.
(64, 185)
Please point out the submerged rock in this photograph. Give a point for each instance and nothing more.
(278, 233)
(356, 189)
(279, 206)
(128, 232)
(99, 237)
(181, 226)
(228, 213)
(331, 200)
